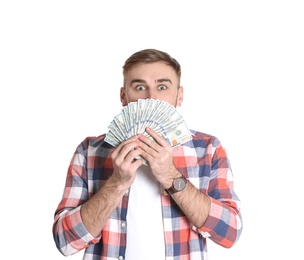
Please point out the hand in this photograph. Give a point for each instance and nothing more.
(159, 154)
(124, 162)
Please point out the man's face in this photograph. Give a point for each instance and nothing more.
(152, 80)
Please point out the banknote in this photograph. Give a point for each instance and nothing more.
(159, 115)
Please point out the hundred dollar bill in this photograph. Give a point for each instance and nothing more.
(179, 135)
(159, 115)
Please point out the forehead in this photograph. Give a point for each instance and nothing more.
(151, 71)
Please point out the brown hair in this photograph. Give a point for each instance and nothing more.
(150, 56)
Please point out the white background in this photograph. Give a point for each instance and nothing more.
(242, 70)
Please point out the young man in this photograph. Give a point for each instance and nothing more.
(115, 207)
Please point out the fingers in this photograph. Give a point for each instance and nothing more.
(159, 139)
(155, 150)
(158, 149)
(126, 147)
(126, 154)
(149, 145)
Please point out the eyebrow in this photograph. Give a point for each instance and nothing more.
(157, 81)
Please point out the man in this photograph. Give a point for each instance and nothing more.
(115, 207)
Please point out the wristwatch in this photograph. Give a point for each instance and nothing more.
(178, 185)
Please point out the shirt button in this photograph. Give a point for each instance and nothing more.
(123, 224)
(120, 257)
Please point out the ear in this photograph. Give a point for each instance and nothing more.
(123, 98)
(180, 96)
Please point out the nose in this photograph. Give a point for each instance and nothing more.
(152, 94)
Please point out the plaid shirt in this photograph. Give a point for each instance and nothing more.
(202, 160)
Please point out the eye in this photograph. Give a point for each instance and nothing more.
(140, 87)
(162, 87)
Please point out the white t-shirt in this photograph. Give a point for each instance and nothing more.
(145, 233)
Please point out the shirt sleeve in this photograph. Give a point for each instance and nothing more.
(70, 234)
(224, 223)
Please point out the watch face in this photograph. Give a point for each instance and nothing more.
(179, 184)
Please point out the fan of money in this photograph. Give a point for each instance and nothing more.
(159, 115)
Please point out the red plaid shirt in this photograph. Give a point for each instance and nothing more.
(203, 161)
